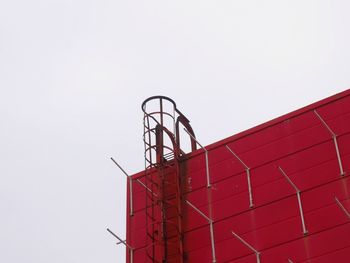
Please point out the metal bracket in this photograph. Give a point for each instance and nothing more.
(206, 157)
(211, 222)
(257, 253)
(247, 170)
(149, 190)
(131, 185)
(131, 250)
(342, 207)
(299, 199)
(334, 137)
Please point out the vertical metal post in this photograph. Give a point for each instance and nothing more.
(212, 240)
(342, 207)
(247, 170)
(338, 155)
(131, 255)
(299, 199)
(207, 167)
(251, 204)
(211, 222)
(334, 137)
(206, 157)
(257, 253)
(301, 214)
(258, 257)
(174, 121)
(131, 198)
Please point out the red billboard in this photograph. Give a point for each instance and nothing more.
(279, 192)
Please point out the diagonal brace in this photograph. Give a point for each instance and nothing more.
(342, 207)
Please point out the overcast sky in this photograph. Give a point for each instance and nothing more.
(74, 73)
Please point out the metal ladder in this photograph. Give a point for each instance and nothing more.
(161, 138)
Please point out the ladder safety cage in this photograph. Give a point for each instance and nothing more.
(161, 138)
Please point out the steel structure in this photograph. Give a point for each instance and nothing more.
(279, 192)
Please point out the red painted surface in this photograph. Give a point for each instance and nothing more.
(304, 148)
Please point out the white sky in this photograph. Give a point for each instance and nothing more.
(74, 73)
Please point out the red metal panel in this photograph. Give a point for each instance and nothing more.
(311, 246)
(275, 231)
(303, 147)
(340, 255)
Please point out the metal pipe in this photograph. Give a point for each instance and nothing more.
(251, 204)
(211, 222)
(257, 253)
(239, 159)
(131, 197)
(288, 179)
(137, 180)
(342, 207)
(149, 190)
(301, 213)
(131, 255)
(324, 123)
(299, 199)
(334, 137)
(121, 241)
(247, 170)
(212, 240)
(206, 157)
(338, 155)
(198, 211)
(207, 168)
(121, 168)
(131, 250)
(131, 186)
